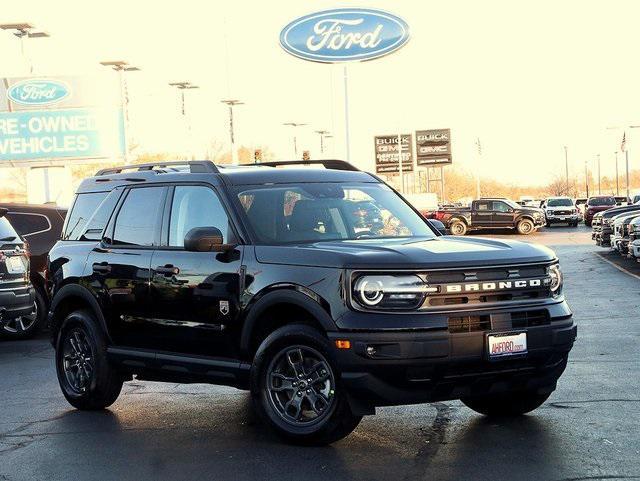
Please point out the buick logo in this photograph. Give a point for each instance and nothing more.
(344, 35)
(38, 92)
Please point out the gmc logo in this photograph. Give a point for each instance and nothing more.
(497, 285)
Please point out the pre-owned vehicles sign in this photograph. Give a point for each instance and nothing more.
(386, 149)
(433, 146)
(344, 35)
(59, 118)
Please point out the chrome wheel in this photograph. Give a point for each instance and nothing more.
(301, 386)
(77, 361)
(22, 324)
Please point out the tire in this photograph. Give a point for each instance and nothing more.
(26, 327)
(587, 223)
(525, 227)
(81, 348)
(314, 413)
(575, 224)
(458, 227)
(508, 404)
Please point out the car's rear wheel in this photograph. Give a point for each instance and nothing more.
(86, 378)
(25, 327)
(458, 227)
(296, 387)
(525, 227)
(507, 404)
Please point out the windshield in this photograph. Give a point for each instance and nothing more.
(511, 203)
(329, 211)
(560, 203)
(602, 201)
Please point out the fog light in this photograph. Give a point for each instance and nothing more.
(371, 351)
(343, 344)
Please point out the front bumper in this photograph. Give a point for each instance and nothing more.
(603, 237)
(408, 367)
(16, 302)
(634, 249)
(563, 219)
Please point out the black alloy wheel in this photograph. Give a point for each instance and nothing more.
(301, 385)
(78, 360)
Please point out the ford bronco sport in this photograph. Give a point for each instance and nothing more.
(322, 291)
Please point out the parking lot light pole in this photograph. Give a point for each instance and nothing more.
(182, 86)
(121, 67)
(234, 153)
(23, 31)
(566, 168)
(322, 134)
(295, 126)
(586, 178)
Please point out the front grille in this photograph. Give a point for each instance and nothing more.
(519, 320)
(561, 212)
(529, 319)
(478, 287)
(469, 324)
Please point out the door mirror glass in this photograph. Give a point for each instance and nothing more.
(439, 226)
(204, 239)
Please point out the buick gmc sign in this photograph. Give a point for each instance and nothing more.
(344, 35)
(38, 92)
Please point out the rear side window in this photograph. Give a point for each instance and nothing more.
(27, 224)
(83, 209)
(99, 220)
(7, 232)
(139, 217)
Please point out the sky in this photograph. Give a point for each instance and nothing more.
(527, 78)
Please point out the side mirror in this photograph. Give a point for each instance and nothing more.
(205, 239)
(439, 226)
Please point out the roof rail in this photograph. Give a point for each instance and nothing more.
(195, 166)
(327, 163)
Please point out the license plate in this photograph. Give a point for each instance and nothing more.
(506, 344)
(15, 265)
(563, 217)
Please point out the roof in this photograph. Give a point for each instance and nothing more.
(204, 171)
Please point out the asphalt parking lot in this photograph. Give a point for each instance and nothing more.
(587, 430)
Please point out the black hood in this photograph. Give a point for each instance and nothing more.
(619, 210)
(440, 252)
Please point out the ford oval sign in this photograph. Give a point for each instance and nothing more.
(344, 35)
(38, 92)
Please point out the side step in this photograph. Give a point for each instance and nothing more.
(172, 366)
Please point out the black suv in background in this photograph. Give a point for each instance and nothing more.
(40, 226)
(322, 291)
(17, 295)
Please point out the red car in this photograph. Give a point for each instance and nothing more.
(595, 204)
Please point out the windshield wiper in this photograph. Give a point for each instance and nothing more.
(8, 238)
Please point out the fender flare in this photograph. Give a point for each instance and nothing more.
(524, 216)
(75, 290)
(461, 218)
(283, 295)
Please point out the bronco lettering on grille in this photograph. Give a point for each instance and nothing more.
(497, 285)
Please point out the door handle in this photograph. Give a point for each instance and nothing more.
(168, 270)
(101, 268)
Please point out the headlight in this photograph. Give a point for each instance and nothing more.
(556, 279)
(390, 291)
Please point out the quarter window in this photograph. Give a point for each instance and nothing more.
(83, 209)
(195, 206)
(139, 217)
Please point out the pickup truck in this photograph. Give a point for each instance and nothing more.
(492, 213)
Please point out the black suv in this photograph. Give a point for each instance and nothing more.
(17, 295)
(40, 225)
(271, 279)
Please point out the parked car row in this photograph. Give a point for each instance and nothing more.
(619, 229)
(27, 233)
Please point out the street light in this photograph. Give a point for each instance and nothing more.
(23, 31)
(323, 135)
(121, 67)
(231, 103)
(182, 86)
(566, 168)
(295, 126)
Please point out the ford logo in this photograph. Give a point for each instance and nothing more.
(344, 35)
(38, 92)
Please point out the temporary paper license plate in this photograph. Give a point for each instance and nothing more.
(506, 344)
(15, 265)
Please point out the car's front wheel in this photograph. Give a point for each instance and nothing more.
(507, 404)
(296, 387)
(525, 227)
(458, 227)
(86, 378)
